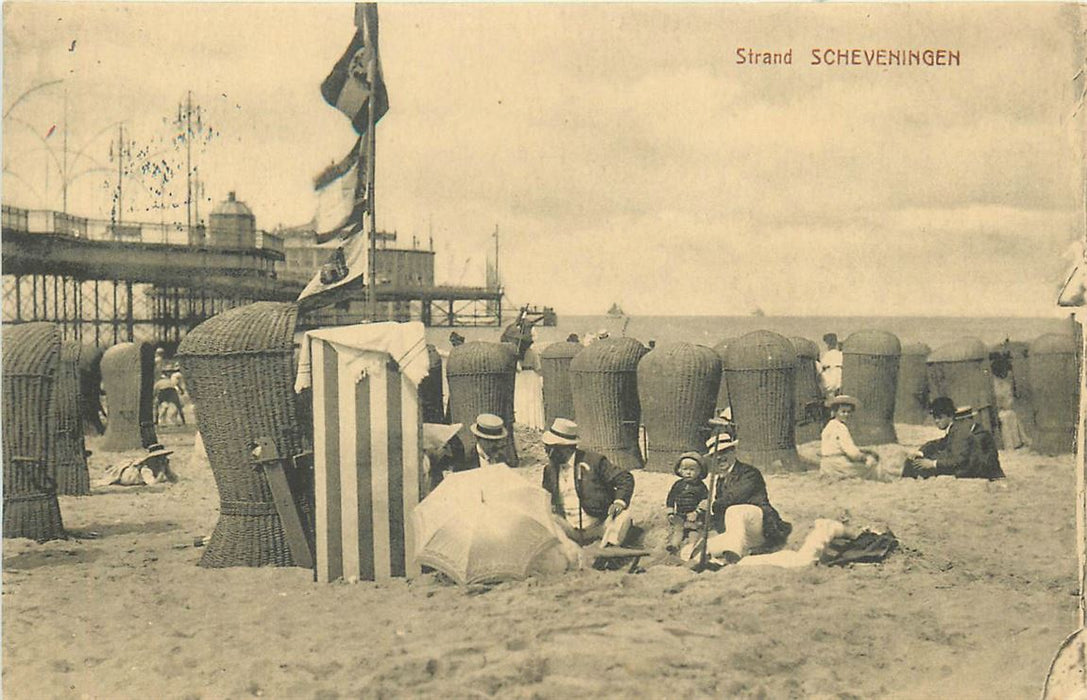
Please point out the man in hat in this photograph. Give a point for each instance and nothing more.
(589, 495)
(839, 456)
(741, 511)
(151, 468)
(491, 439)
(966, 450)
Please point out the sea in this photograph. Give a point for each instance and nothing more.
(934, 331)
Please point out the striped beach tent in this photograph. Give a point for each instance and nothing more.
(367, 431)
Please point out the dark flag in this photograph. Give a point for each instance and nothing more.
(346, 88)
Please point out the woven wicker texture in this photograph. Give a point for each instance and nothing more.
(1055, 382)
(911, 396)
(677, 391)
(430, 389)
(239, 367)
(722, 393)
(481, 378)
(128, 378)
(70, 465)
(760, 369)
(604, 381)
(90, 389)
(870, 373)
(558, 397)
(809, 397)
(31, 359)
(960, 370)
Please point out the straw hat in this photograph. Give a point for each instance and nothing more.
(720, 442)
(703, 470)
(436, 435)
(843, 400)
(489, 427)
(563, 431)
(156, 450)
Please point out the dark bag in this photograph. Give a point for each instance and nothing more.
(865, 548)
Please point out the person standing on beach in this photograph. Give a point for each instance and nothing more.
(839, 456)
(590, 496)
(830, 366)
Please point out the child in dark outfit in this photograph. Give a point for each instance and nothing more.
(684, 498)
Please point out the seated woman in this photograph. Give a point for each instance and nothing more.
(839, 455)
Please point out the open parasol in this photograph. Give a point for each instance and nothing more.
(486, 524)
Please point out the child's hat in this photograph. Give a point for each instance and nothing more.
(697, 458)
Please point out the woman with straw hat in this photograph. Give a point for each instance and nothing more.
(839, 455)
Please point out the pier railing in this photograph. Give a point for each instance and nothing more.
(55, 222)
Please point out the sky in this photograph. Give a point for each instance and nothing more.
(621, 150)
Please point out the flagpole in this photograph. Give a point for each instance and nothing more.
(368, 158)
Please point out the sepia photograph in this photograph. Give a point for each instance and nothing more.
(530, 350)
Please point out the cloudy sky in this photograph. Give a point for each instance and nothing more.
(621, 150)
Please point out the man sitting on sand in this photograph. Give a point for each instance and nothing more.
(741, 510)
(966, 450)
(590, 496)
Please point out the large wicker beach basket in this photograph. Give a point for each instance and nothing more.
(870, 374)
(760, 368)
(722, 393)
(677, 392)
(558, 397)
(90, 389)
(810, 411)
(1055, 382)
(240, 369)
(911, 395)
(482, 377)
(70, 466)
(604, 381)
(960, 371)
(128, 377)
(31, 358)
(430, 389)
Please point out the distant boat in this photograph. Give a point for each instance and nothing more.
(616, 310)
(758, 313)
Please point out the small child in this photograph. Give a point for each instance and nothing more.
(686, 499)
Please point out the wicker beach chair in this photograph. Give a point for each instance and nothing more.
(911, 395)
(810, 411)
(31, 359)
(760, 368)
(90, 389)
(870, 373)
(482, 377)
(240, 371)
(677, 392)
(430, 389)
(70, 465)
(960, 371)
(128, 377)
(604, 379)
(558, 397)
(1055, 383)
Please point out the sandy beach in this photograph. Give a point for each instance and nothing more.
(974, 604)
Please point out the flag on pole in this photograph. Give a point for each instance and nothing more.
(341, 198)
(346, 88)
(347, 263)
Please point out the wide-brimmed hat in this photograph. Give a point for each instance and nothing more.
(720, 442)
(703, 470)
(157, 450)
(843, 400)
(489, 427)
(436, 435)
(563, 431)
